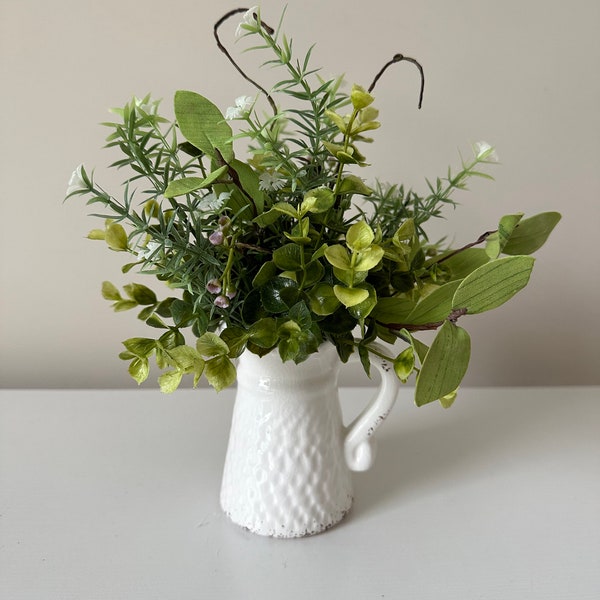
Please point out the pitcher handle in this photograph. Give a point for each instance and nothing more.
(359, 447)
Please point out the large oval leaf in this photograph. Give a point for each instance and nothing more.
(493, 284)
(445, 364)
(203, 125)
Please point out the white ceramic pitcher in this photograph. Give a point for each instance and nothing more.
(287, 469)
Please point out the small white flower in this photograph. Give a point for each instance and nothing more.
(76, 183)
(483, 151)
(248, 19)
(148, 251)
(270, 181)
(147, 107)
(153, 251)
(213, 203)
(241, 108)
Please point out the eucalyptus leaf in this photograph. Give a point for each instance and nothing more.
(319, 200)
(359, 237)
(363, 309)
(323, 300)
(338, 256)
(115, 237)
(350, 296)
(368, 259)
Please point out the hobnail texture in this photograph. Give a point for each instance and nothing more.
(285, 472)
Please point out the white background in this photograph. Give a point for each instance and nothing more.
(521, 75)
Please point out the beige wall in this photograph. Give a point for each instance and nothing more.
(521, 74)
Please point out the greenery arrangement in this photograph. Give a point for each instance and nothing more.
(291, 248)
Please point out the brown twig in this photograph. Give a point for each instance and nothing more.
(224, 50)
(479, 240)
(396, 59)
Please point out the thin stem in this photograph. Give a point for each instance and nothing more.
(396, 59)
(479, 240)
(224, 50)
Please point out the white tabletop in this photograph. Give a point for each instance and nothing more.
(113, 495)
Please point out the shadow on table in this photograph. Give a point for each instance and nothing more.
(422, 455)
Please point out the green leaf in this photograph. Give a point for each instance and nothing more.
(434, 307)
(140, 347)
(288, 257)
(139, 369)
(532, 233)
(109, 291)
(220, 372)
(350, 296)
(363, 309)
(157, 322)
(267, 271)
(267, 218)
(351, 184)
(359, 237)
(337, 120)
(185, 358)
(445, 364)
(322, 299)
(123, 305)
(263, 333)
(140, 293)
(493, 284)
(250, 183)
(317, 201)
(97, 234)
(115, 237)
(210, 344)
(279, 294)
(392, 310)
(181, 312)
(496, 241)
(179, 187)
(285, 208)
(360, 97)
(338, 256)
(404, 364)
(203, 125)
(448, 400)
(235, 338)
(466, 262)
(369, 259)
(170, 381)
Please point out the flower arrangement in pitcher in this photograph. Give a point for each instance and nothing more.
(291, 248)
